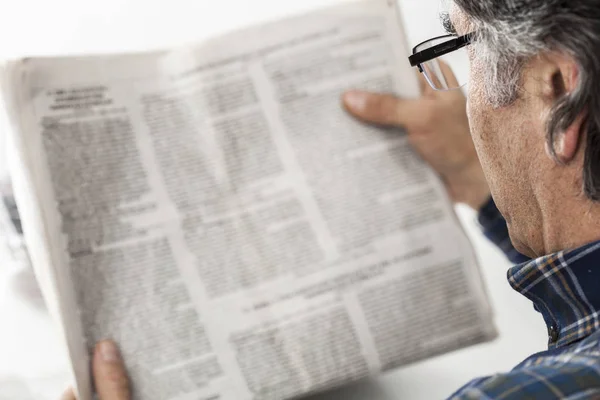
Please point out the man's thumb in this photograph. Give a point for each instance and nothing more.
(381, 109)
(109, 373)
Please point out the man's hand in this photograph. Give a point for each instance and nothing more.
(438, 128)
(109, 372)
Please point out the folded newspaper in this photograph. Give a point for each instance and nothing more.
(215, 211)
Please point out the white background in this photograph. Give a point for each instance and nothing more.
(28, 346)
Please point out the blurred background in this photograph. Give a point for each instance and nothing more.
(31, 363)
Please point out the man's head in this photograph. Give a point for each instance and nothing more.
(534, 108)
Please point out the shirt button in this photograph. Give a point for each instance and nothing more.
(553, 334)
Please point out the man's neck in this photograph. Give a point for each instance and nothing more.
(569, 221)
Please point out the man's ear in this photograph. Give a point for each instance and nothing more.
(561, 77)
(566, 144)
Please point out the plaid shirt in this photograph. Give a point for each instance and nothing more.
(565, 289)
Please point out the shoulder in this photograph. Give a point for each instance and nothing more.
(569, 373)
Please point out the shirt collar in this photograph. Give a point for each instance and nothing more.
(565, 289)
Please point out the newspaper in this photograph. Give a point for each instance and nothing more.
(215, 211)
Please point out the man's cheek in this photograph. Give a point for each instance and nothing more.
(469, 107)
(479, 124)
(473, 111)
(471, 91)
(476, 102)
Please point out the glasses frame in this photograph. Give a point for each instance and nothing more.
(453, 43)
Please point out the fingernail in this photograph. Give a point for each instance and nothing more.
(356, 100)
(109, 352)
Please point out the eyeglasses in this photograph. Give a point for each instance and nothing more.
(437, 58)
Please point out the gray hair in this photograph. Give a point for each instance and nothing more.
(513, 31)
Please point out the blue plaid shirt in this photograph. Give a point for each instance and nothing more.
(565, 289)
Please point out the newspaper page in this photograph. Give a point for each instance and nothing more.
(216, 212)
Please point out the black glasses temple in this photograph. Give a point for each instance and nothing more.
(440, 49)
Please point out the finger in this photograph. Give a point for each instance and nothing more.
(448, 74)
(383, 109)
(68, 395)
(435, 75)
(423, 84)
(110, 376)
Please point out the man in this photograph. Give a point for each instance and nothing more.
(534, 116)
(534, 113)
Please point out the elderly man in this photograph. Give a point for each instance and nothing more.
(533, 106)
(533, 111)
